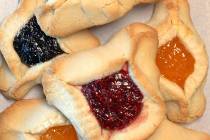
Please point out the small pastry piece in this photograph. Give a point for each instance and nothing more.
(28, 50)
(63, 17)
(182, 60)
(34, 120)
(168, 130)
(6, 77)
(109, 93)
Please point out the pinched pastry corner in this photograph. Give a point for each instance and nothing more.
(28, 50)
(169, 130)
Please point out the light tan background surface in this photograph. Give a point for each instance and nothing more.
(200, 11)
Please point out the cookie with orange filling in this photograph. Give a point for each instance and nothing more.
(181, 59)
(110, 92)
(34, 120)
(28, 50)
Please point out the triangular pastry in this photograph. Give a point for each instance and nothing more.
(64, 17)
(110, 92)
(181, 59)
(28, 50)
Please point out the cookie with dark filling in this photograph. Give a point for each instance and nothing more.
(28, 50)
(33, 46)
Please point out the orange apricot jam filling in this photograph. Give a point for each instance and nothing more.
(66, 132)
(175, 62)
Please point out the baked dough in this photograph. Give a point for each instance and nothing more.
(135, 44)
(171, 131)
(34, 117)
(63, 17)
(6, 77)
(28, 119)
(24, 76)
(171, 18)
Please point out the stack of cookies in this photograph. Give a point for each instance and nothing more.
(142, 84)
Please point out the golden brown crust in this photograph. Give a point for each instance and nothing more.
(27, 77)
(6, 77)
(168, 130)
(27, 119)
(64, 17)
(62, 85)
(171, 19)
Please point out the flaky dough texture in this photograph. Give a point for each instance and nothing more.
(64, 17)
(171, 18)
(18, 79)
(136, 45)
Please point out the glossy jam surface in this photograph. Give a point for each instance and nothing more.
(115, 100)
(33, 45)
(175, 62)
(66, 132)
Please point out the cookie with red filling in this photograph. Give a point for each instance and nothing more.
(110, 92)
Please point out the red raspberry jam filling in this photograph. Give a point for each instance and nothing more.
(115, 100)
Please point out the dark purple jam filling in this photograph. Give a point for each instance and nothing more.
(33, 45)
(115, 100)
